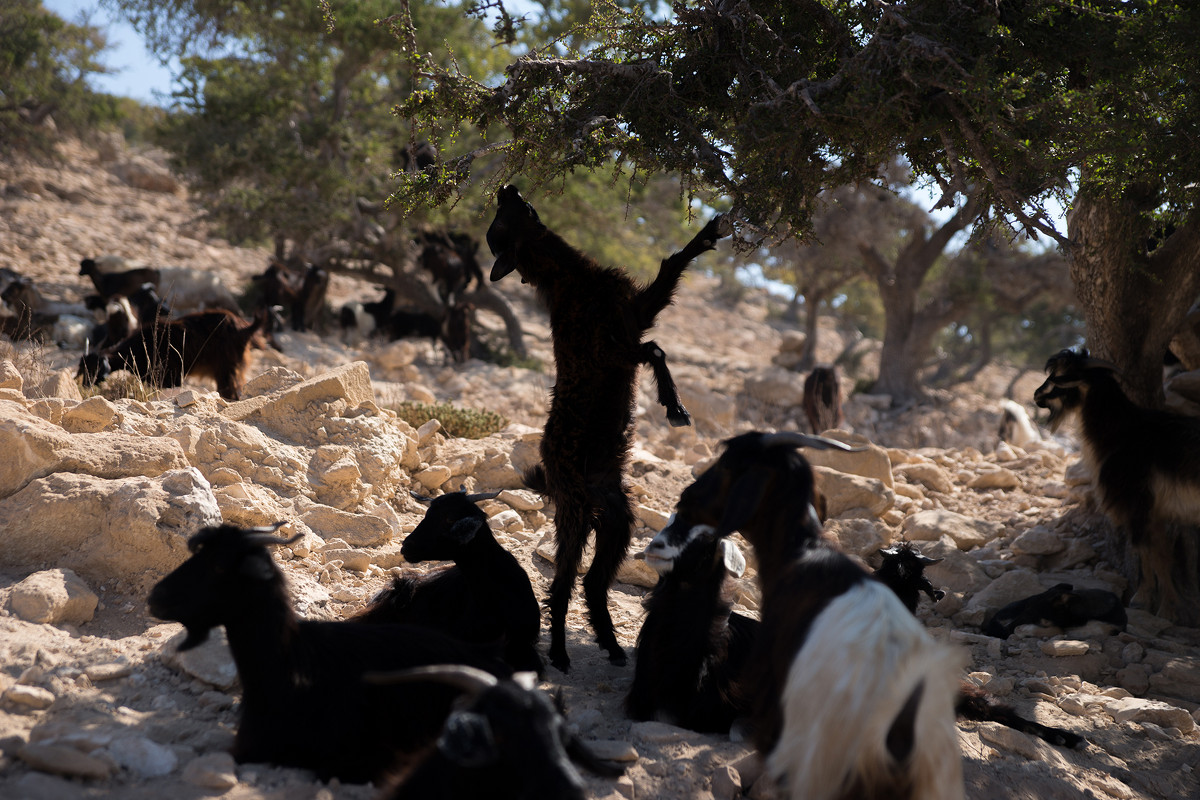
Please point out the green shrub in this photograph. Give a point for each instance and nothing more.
(464, 423)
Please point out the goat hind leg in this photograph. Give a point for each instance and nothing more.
(570, 534)
(614, 529)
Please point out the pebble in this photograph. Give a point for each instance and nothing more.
(212, 771)
(613, 750)
(145, 758)
(1064, 647)
(108, 672)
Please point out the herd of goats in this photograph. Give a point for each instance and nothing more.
(838, 685)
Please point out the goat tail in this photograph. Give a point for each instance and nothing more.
(534, 479)
(869, 706)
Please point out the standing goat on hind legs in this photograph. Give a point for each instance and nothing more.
(597, 319)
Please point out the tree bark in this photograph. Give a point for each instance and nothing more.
(1134, 302)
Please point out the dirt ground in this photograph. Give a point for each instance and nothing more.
(111, 682)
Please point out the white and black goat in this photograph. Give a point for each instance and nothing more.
(903, 571)
(484, 597)
(1015, 425)
(304, 701)
(692, 650)
(850, 696)
(1146, 464)
(598, 317)
(506, 740)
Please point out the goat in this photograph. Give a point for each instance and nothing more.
(823, 399)
(120, 319)
(850, 697)
(903, 571)
(205, 344)
(1062, 605)
(304, 701)
(1146, 464)
(123, 283)
(692, 650)
(506, 741)
(308, 307)
(597, 319)
(451, 260)
(485, 597)
(148, 306)
(1015, 425)
(35, 317)
(369, 317)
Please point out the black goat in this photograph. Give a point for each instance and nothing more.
(597, 319)
(692, 649)
(1062, 605)
(451, 259)
(205, 344)
(308, 307)
(1146, 464)
(823, 399)
(903, 571)
(113, 283)
(485, 597)
(506, 741)
(370, 317)
(850, 696)
(304, 701)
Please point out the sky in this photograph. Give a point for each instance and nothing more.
(135, 72)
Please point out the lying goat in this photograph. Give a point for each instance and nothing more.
(692, 650)
(485, 597)
(505, 741)
(304, 701)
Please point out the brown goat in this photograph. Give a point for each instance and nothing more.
(823, 399)
(209, 344)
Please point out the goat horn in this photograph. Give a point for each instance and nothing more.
(475, 498)
(1100, 363)
(470, 680)
(420, 497)
(796, 439)
(264, 534)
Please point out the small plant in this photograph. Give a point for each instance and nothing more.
(464, 423)
(122, 385)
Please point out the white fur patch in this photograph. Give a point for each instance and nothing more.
(1023, 431)
(864, 656)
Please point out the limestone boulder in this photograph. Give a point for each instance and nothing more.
(53, 597)
(852, 494)
(128, 529)
(870, 462)
(931, 525)
(861, 537)
(289, 412)
(35, 448)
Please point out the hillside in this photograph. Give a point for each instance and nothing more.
(94, 702)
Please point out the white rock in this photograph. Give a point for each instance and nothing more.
(211, 771)
(143, 757)
(210, 662)
(63, 760)
(1064, 647)
(34, 697)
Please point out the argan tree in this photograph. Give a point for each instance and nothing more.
(1011, 103)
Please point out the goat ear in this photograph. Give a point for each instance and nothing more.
(464, 530)
(506, 262)
(257, 566)
(735, 562)
(467, 740)
(745, 496)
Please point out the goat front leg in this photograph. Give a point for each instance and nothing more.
(668, 395)
(657, 296)
(614, 529)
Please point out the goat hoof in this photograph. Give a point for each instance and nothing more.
(679, 419)
(617, 657)
(561, 663)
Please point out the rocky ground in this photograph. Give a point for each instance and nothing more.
(97, 497)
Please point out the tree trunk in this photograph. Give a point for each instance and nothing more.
(1133, 302)
(485, 298)
(812, 316)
